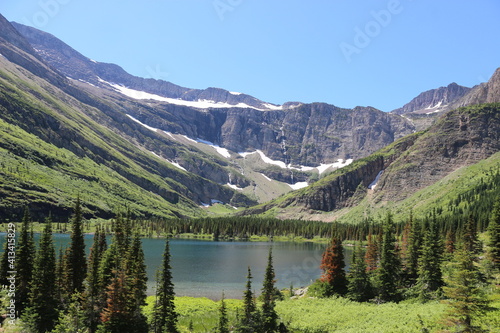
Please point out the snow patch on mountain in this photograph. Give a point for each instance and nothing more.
(298, 185)
(141, 123)
(375, 181)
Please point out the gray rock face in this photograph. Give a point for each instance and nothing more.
(434, 100)
(488, 92)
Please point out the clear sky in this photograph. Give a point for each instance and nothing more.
(346, 53)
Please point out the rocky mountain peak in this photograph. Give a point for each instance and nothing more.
(434, 100)
(488, 92)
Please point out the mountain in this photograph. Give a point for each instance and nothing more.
(434, 100)
(488, 92)
(458, 140)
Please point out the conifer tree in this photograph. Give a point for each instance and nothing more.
(164, 315)
(333, 264)
(72, 320)
(388, 274)
(269, 315)
(115, 316)
(137, 284)
(359, 286)
(251, 320)
(412, 253)
(4, 264)
(75, 263)
(494, 236)
(469, 237)
(223, 320)
(43, 302)
(91, 283)
(24, 263)
(430, 277)
(371, 255)
(466, 298)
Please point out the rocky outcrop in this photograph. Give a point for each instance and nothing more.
(434, 100)
(488, 92)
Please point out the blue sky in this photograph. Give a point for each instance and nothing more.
(346, 53)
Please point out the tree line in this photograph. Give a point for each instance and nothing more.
(420, 264)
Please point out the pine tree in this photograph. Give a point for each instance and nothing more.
(466, 299)
(164, 314)
(43, 302)
(5, 264)
(251, 320)
(388, 274)
(430, 277)
(91, 283)
(73, 320)
(223, 320)
(137, 284)
(359, 286)
(333, 265)
(269, 315)
(412, 252)
(75, 263)
(25, 257)
(469, 237)
(371, 255)
(494, 236)
(115, 316)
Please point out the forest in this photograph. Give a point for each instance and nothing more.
(435, 260)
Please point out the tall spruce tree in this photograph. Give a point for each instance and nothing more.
(75, 263)
(116, 317)
(372, 253)
(465, 296)
(92, 291)
(24, 262)
(412, 251)
(494, 236)
(251, 320)
(43, 302)
(164, 315)
(269, 315)
(222, 327)
(359, 285)
(388, 273)
(333, 265)
(430, 277)
(137, 284)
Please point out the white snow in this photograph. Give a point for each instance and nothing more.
(375, 181)
(139, 122)
(321, 168)
(339, 164)
(273, 107)
(173, 163)
(298, 185)
(223, 151)
(269, 179)
(235, 93)
(200, 104)
(234, 187)
(170, 134)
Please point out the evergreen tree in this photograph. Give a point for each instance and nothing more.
(466, 298)
(91, 283)
(73, 320)
(449, 246)
(164, 314)
(137, 284)
(494, 236)
(5, 264)
(430, 277)
(359, 286)
(223, 320)
(251, 321)
(24, 263)
(469, 237)
(43, 302)
(75, 263)
(115, 316)
(269, 315)
(333, 264)
(388, 274)
(412, 253)
(371, 255)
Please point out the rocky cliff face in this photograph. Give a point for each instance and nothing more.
(434, 100)
(488, 92)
